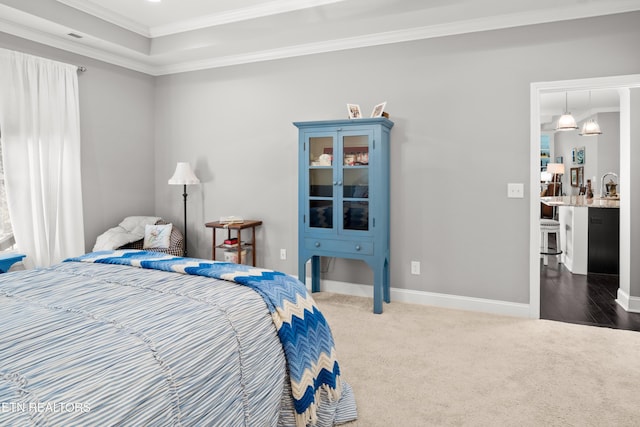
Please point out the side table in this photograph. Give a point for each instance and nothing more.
(238, 227)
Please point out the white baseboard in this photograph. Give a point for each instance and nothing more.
(429, 298)
(630, 304)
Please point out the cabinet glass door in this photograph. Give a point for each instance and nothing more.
(321, 179)
(355, 182)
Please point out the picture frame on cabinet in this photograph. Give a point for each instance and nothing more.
(354, 111)
(378, 109)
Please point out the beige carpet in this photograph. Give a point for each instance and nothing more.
(420, 366)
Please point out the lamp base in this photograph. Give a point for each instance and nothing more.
(184, 195)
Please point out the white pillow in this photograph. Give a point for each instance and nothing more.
(157, 236)
(135, 224)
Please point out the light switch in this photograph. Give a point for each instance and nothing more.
(515, 191)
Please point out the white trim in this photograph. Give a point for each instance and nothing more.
(624, 282)
(107, 15)
(534, 207)
(630, 304)
(538, 88)
(169, 64)
(120, 58)
(503, 308)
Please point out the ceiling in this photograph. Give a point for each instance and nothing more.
(173, 36)
(165, 17)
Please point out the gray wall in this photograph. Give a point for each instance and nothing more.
(116, 127)
(608, 146)
(461, 109)
(602, 152)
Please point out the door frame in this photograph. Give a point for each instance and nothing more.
(623, 84)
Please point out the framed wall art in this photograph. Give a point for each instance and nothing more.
(577, 177)
(580, 155)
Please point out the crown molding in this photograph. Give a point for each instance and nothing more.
(390, 37)
(122, 58)
(107, 15)
(274, 7)
(35, 29)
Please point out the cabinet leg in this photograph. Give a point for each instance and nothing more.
(302, 270)
(386, 282)
(377, 289)
(315, 274)
(381, 290)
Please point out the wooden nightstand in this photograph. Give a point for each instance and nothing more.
(238, 227)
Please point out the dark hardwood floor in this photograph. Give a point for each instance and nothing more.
(587, 300)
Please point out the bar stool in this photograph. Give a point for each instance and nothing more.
(548, 226)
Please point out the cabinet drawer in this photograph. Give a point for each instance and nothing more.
(345, 246)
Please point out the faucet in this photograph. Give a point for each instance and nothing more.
(603, 191)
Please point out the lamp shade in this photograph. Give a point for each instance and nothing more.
(183, 175)
(555, 168)
(590, 128)
(566, 122)
(546, 176)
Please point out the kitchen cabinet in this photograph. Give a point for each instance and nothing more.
(573, 235)
(589, 232)
(604, 241)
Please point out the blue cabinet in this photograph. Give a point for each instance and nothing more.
(343, 197)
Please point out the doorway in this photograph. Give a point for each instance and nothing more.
(622, 84)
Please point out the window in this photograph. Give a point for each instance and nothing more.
(6, 232)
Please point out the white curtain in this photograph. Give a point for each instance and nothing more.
(40, 125)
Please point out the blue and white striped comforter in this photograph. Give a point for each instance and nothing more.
(98, 345)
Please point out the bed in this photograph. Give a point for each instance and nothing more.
(130, 337)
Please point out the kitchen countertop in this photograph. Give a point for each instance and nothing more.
(581, 201)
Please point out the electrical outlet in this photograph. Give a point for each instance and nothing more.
(415, 267)
(283, 254)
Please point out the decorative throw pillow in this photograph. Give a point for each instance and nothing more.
(156, 236)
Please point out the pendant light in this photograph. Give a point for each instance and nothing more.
(590, 127)
(566, 121)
